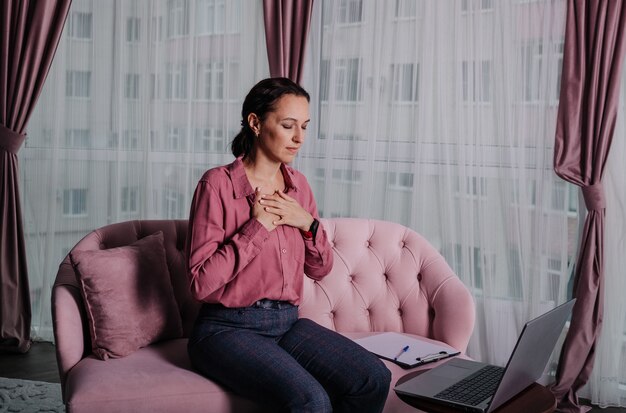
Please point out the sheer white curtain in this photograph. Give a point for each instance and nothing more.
(441, 115)
(142, 98)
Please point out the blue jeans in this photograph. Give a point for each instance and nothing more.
(285, 363)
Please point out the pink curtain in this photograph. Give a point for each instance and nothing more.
(591, 75)
(287, 25)
(29, 35)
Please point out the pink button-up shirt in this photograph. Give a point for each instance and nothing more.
(233, 259)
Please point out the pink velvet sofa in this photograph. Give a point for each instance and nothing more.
(386, 277)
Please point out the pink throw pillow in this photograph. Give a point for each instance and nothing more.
(128, 295)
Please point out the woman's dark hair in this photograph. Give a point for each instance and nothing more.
(261, 100)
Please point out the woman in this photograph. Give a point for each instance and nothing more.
(253, 234)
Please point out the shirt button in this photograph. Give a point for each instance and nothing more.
(284, 251)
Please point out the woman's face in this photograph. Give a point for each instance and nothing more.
(282, 132)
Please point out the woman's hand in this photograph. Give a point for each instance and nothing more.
(287, 210)
(260, 212)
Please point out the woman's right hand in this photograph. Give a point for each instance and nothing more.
(260, 214)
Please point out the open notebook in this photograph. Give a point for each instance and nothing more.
(405, 351)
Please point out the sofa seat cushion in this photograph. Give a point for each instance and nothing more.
(157, 378)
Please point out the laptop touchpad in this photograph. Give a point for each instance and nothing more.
(450, 371)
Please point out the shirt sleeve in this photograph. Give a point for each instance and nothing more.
(318, 258)
(212, 259)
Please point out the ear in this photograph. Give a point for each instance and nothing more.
(255, 123)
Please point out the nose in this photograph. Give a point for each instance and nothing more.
(298, 136)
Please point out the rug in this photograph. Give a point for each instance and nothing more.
(26, 396)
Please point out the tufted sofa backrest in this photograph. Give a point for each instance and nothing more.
(385, 277)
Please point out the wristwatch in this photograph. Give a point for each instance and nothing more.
(310, 234)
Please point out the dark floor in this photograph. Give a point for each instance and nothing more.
(40, 364)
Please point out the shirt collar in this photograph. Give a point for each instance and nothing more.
(241, 185)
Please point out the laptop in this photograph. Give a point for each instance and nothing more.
(447, 384)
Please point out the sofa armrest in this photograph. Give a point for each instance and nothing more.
(453, 313)
(71, 334)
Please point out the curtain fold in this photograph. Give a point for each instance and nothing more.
(30, 35)
(286, 29)
(591, 74)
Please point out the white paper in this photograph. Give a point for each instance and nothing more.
(389, 345)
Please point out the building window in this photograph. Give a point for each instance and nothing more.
(78, 84)
(476, 78)
(348, 80)
(131, 86)
(157, 29)
(541, 61)
(476, 5)
(210, 16)
(78, 138)
(173, 202)
(132, 29)
(351, 176)
(471, 185)
(75, 202)
(130, 139)
(400, 180)
(209, 140)
(79, 25)
(175, 139)
(350, 11)
(210, 81)
(564, 197)
(176, 81)
(406, 9)
(177, 18)
(404, 82)
(130, 199)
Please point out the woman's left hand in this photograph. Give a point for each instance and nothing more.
(288, 209)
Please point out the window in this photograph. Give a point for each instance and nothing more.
(400, 180)
(132, 29)
(476, 81)
(564, 197)
(350, 11)
(474, 186)
(79, 25)
(209, 140)
(130, 199)
(210, 81)
(177, 18)
(210, 16)
(157, 29)
(476, 5)
(130, 139)
(404, 82)
(176, 81)
(347, 80)
(173, 202)
(78, 84)
(155, 89)
(75, 202)
(351, 176)
(78, 138)
(540, 61)
(131, 86)
(406, 8)
(175, 139)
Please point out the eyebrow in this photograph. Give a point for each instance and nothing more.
(295, 120)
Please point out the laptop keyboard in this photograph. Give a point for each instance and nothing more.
(475, 388)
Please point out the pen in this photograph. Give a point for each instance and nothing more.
(406, 348)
